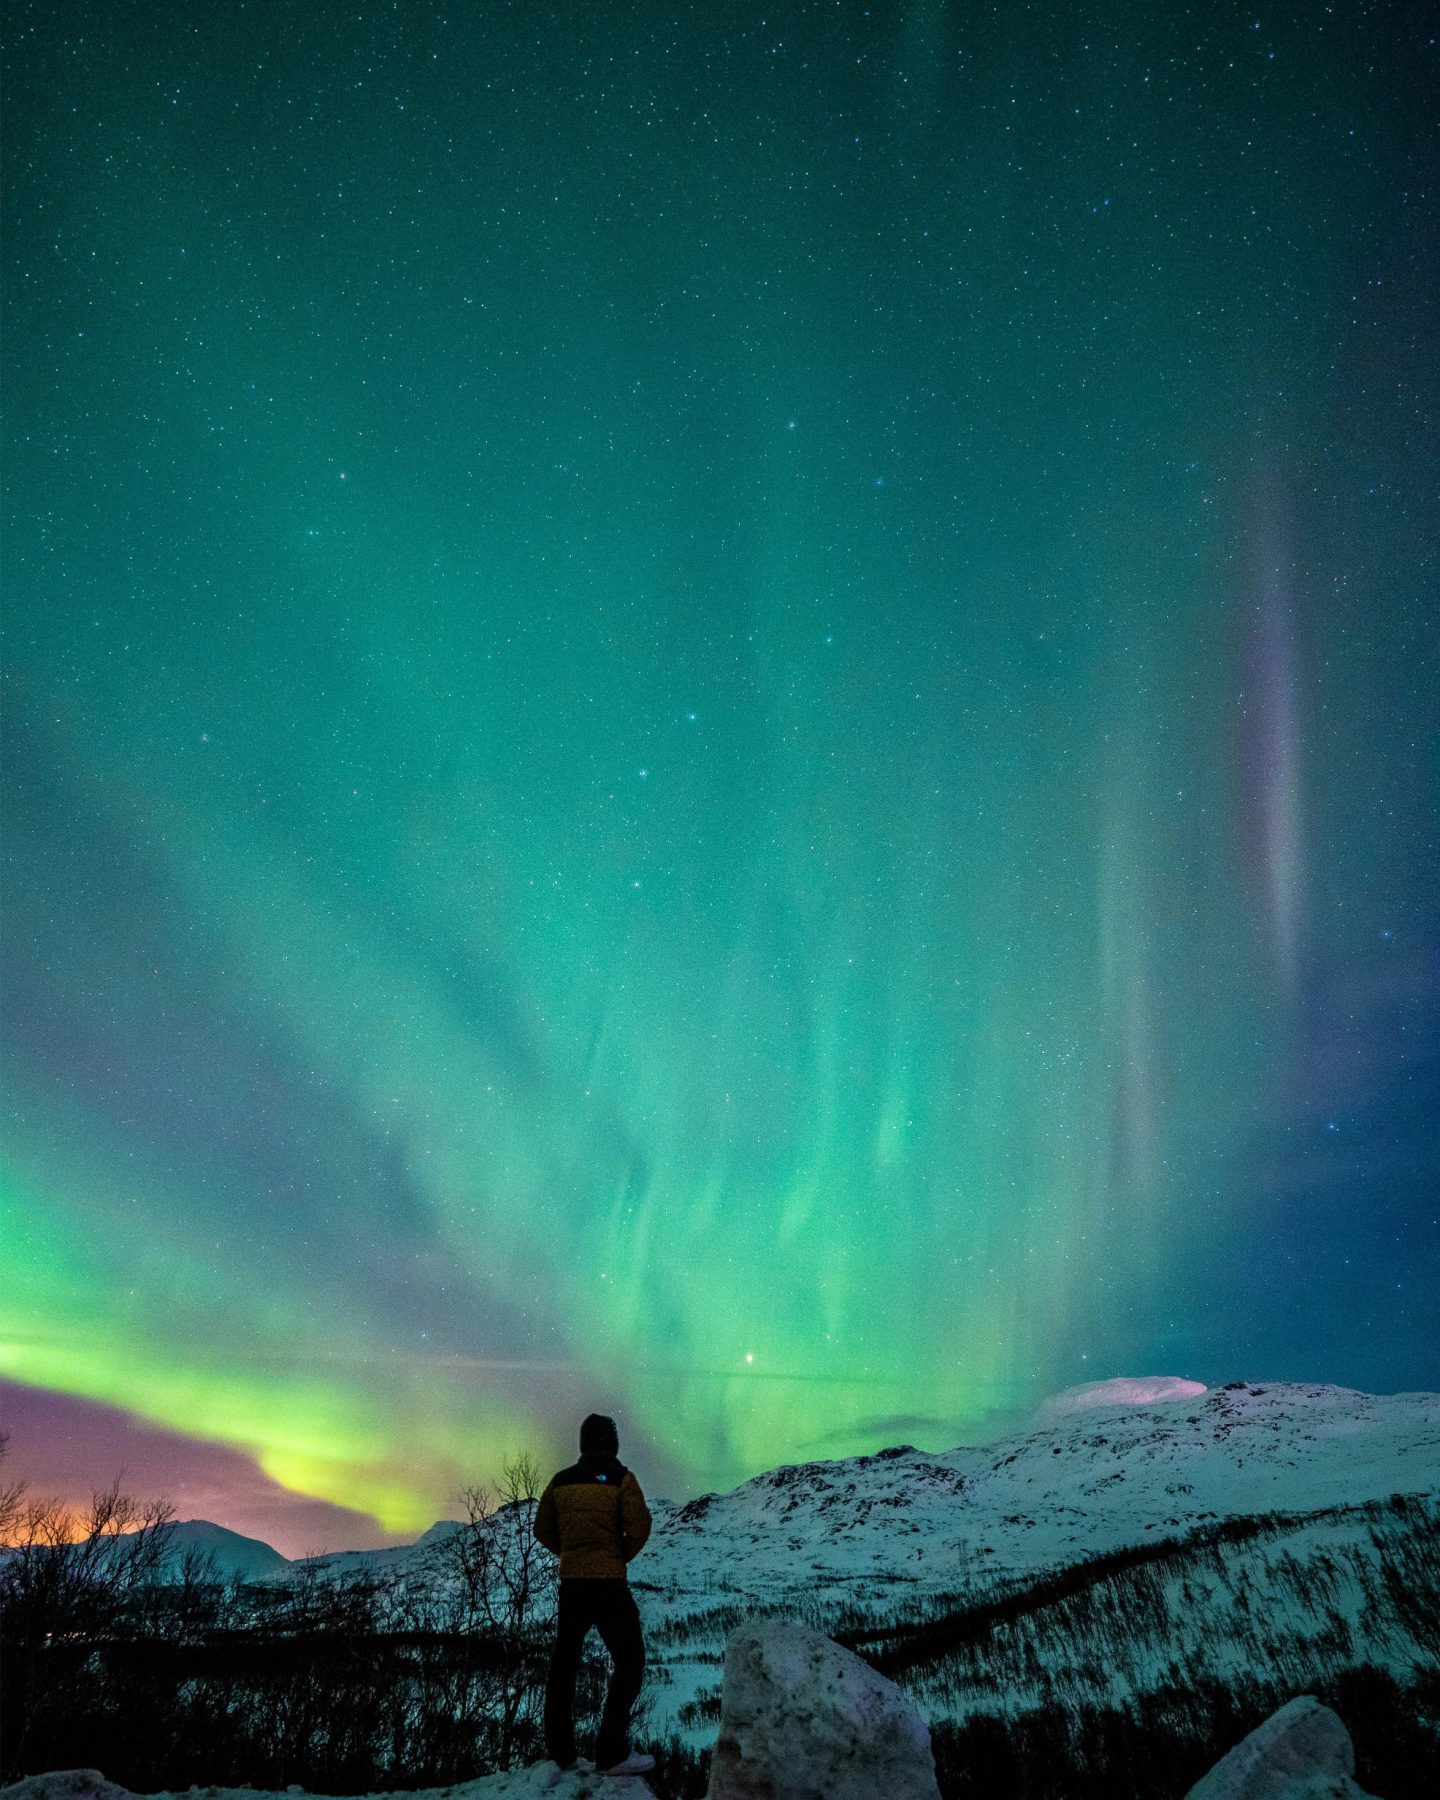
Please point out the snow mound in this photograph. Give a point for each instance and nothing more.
(67, 1784)
(1302, 1752)
(232, 1554)
(801, 1717)
(540, 1779)
(1122, 1390)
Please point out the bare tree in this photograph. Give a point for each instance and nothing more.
(11, 1495)
(68, 1583)
(503, 1588)
(119, 1649)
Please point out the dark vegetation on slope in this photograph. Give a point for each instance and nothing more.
(111, 1657)
(1159, 1751)
(1299, 1610)
(1413, 1578)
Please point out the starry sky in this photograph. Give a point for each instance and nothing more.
(726, 711)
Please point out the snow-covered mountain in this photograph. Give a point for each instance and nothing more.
(397, 1558)
(230, 1554)
(1101, 1467)
(1139, 1533)
(1084, 1479)
(1268, 1509)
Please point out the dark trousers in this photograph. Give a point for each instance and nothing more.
(610, 1607)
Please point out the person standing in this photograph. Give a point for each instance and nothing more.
(593, 1516)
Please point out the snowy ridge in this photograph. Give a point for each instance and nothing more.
(1078, 1484)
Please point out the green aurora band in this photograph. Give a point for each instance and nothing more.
(653, 765)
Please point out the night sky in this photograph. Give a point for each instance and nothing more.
(725, 711)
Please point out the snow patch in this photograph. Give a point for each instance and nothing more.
(516, 1784)
(1122, 1390)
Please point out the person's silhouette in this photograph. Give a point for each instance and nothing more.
(594, 1517)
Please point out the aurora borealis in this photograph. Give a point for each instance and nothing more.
(727, 712)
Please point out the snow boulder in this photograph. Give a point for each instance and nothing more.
(67, 1784)
(802, 1719)
(1302, 1752)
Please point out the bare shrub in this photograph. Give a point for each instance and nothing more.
(68, 1583)
(501, 1598)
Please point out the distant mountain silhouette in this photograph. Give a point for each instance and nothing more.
(232, 1554)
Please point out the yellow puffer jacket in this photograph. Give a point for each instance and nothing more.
(594, 1517)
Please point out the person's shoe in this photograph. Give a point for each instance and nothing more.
(636, 1763)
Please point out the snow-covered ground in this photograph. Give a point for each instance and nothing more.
(540, 1779)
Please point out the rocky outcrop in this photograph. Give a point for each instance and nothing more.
(1302, 1752)
(802, 1719)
